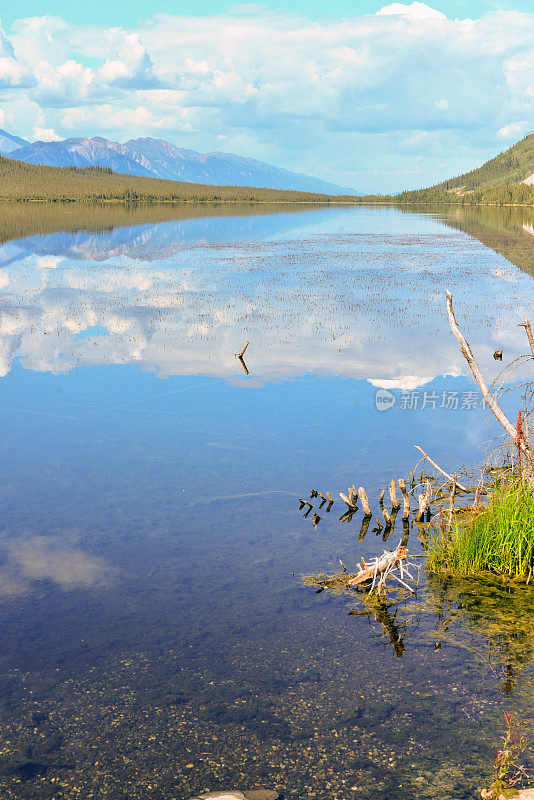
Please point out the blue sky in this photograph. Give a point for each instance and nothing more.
(374, 95)
(130, 12)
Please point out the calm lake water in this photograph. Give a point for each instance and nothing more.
(157, 638)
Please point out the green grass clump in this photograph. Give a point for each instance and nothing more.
(498, 539)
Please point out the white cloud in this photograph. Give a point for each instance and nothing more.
(415, 11)
(335, 97)
(512, 131)
(45, 135)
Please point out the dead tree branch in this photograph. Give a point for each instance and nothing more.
(489, 399)
(445, 474)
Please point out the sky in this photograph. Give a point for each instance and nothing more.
(371, 95)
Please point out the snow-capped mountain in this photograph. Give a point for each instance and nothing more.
(8, 142)
(159, 159)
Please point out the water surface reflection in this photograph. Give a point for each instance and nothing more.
(152, 612)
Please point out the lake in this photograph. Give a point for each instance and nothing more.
(157, 636)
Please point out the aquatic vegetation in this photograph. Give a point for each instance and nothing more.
(498, 539)
(508, 770)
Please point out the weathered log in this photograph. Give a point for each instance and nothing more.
(393, 495)
(405, 499)
(381, 568)
(365, 502)
(330, 497)
(381, 498)
(422, 507)
(242, 353)
(242, 361)
(379, 564)
(348, 501)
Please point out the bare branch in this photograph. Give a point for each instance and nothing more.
(446, 474)
(475, 369)
(526, 326)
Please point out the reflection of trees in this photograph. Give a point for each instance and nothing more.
(508, 231)
(498, 620)
(492, 620)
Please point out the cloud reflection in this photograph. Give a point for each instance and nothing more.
(30, 559)
(362, 304)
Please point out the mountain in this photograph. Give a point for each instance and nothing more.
(507, 179)
(9, 143)
(148, 157)
(23, 181)
(513, 166)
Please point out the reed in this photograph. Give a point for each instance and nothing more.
(497, 539)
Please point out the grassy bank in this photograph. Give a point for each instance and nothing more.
(498, 538)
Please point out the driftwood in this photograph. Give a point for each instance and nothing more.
(405, 499)
(381, 568)
(348, 501)
(381, 498)
(365, 502)
(445, 474)
(393, 495)
(242, 353)
(424, 503)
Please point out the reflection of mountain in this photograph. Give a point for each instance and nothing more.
(323, 291)
(152, 242)
(20, 220)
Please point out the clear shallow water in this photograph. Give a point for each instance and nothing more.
(156, 635)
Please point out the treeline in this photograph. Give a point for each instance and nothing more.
(30, 182)
(508, 168)
(517, 194)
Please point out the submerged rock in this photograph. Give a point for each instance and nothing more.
(231, 794)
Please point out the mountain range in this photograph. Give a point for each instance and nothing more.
(156, 158)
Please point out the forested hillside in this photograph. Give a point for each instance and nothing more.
(21, 181)
(498, 181)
